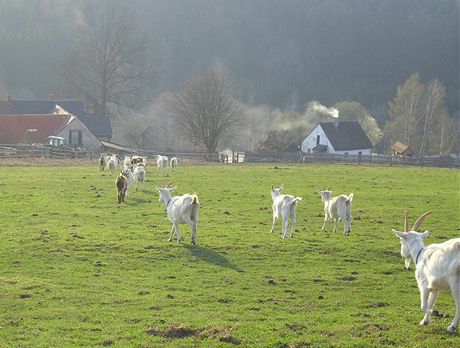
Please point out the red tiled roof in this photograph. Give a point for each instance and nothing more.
(14, 128)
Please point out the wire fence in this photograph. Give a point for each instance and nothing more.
(236, 157)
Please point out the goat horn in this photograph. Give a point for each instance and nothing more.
(406, 221)
(420, 221)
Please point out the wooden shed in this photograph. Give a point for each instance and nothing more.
(401, 150)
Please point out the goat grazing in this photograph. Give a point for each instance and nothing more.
(285, 205)
(437, 267)
(139, 175)
(180, 209)
(121, 185)
(162, 165)
(337, 208)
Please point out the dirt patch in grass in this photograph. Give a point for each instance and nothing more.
(173, 331)
(222, 334)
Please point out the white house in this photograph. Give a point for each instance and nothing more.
(337, 138)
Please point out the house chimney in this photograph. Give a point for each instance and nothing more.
(51, 97)
(336, 121)
(8, 99)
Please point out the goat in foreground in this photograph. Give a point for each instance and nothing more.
(121, 183)
(437, 267)
(338, 208)
(180, 209)
(285, 205)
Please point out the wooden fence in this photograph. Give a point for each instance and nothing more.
(26, 151)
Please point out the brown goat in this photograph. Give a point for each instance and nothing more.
(122, 184)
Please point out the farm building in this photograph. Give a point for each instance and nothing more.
(99, 126)
(401, 150)
(16, 129)
(337, 137)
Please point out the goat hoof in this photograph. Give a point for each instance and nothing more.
(423, 322)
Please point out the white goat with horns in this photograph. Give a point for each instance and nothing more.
(285, 205)
(437, 267)
(337, 208)
(180, 209)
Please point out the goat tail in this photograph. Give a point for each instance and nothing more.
(293, 203)
(195, 208)
(349, 199)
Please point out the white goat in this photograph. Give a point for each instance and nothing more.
(285, 205)
(139, 175)
(173, 163)
(180, 209)
(162, 165)
(112, 163)
(337, 208)
(127, 161)
(437, 267)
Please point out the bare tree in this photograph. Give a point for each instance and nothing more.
(109, 67)
(205, 109)
(433, 106)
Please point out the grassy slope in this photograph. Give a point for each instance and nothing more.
(76, 270)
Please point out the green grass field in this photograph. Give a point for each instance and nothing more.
(76, 269)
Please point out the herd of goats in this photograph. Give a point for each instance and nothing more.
(437, 265)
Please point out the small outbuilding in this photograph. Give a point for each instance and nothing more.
(401, 150)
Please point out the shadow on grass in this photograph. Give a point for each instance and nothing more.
(135, 201)
(211, 256)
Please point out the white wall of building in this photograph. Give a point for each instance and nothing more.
(89, 141)
(310, 142)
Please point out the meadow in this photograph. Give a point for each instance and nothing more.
(77, 270)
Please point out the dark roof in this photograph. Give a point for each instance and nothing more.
(100, 126)
(347, 135)
(115, 147)
(319, 148)
(14, 128)
(40, 107)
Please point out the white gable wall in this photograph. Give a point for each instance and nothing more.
(310, 142)
(88, 139)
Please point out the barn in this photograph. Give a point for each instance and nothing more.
(338, 137)
(16, 129)
(99, 126)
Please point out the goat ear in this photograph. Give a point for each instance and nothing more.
(424, 234)
(173, 189)
(272, 187)
(399, 234)
(281, 188)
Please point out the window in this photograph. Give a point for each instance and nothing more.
(317, 139)
(75, 137)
